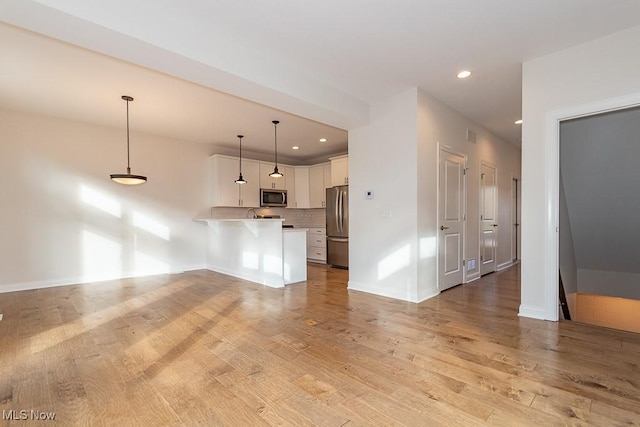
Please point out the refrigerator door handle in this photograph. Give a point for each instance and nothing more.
(340, 212)
(337, 211)
(338, 239)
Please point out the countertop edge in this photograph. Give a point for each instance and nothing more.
(207, 220)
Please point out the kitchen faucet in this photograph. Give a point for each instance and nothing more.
(255, 215)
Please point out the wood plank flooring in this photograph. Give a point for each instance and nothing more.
(201, 348)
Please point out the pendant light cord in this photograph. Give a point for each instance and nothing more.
(128, 157)
(240, 138)
(275, 137)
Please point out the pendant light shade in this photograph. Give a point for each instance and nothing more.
(276, 173)
(240, 179)
(128, 178)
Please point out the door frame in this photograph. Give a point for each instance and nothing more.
(488, 163)
(443, 147)
(552, 190)
(516, 218)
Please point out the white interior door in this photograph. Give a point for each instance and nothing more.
(515, 219)
(488, 218)
(451, 215)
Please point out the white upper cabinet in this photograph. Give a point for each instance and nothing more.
(250, 192)
(319, 181)
(290, 185)
(305, 185)
(339, 170)
(225, 192)
(301, 187)
(272, 183)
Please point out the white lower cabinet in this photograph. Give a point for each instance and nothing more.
(317, 244)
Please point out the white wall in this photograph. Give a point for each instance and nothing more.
(440, 124)
(600, 74)
(383, 231)
(610, 283)
(64, 221)
(393, 238)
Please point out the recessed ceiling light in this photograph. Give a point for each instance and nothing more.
(323, 139)
(519, 122)
(295, 147)
(464, 74)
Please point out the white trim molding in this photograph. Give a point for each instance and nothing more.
(70, 281)
(473, 277)
(440, 147)
(389, 293)
(552, 174)
(505, 265)
(532, 312)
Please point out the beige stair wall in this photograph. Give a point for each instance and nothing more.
(611, 312)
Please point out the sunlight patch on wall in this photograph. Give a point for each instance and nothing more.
(100, 201)
(250, 260)
(272, 264)
(102, 257)
(154, 227)
(428, 248)
(394, 262)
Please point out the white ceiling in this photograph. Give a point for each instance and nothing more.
(324, 60)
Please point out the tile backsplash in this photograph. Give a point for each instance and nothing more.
(296, 217)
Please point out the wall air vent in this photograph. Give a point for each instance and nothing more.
(471, 136)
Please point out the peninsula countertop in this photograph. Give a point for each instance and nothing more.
(257, 249)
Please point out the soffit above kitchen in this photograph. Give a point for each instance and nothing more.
(328, 61)
(44, 76)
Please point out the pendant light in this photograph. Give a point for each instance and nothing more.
(276, 173)
(240, 179)
(128, 178)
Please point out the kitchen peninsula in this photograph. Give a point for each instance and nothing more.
(258, 250)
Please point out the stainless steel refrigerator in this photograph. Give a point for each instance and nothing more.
(338, 226)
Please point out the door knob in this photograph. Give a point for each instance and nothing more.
(442, 227)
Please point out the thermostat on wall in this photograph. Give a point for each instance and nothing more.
(368, 195)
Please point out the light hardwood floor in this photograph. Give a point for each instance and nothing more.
(201, 348)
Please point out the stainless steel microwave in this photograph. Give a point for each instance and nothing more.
(273, 198)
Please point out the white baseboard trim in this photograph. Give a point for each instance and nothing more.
(532, 312)
(472, 277)
(194, 268)
(426, 296)
(389, 293)
(504, 265)
(69, 281)
(40, 284)
(258, 280)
